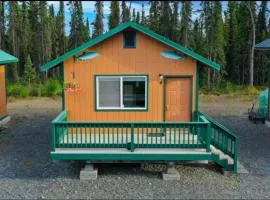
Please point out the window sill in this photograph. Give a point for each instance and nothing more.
(122, 110)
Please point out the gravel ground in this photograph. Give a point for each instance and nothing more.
(27, 172)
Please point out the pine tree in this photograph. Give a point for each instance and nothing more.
(61, 43)
(138, 18)
(175, 21)
(14, 18)
(87, 31)
(218, 54)
(207, 18)
(34, 49)
(114, 17)
(197, 41)
(77, 27)
(133, 15)
(98, 24)
(25, 37)
(52, 21)
(143, 20)
(125, 15)
(231, 41)
(2, 24)
(261, 57)
(154, 16)
(45, 33)
(185, 27)
(165, 20)
(29, 75)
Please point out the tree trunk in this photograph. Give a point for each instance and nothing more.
(251, 55)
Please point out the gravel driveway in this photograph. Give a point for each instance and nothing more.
(26, 170)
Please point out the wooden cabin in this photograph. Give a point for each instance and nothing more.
(131, 94)
(5, 58)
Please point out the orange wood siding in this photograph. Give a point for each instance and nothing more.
(114, 59)
(3, 103)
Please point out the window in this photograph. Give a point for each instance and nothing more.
(121, 92)
(129, 39)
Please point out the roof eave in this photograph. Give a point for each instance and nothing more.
(14, 60)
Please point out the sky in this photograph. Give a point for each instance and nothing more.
(89, 10)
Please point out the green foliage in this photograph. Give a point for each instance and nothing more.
(77, 26)
(125, 12)
(232, 89)
(114, 17)
(98, 24)
(48, 88)
(29, 75)
(53, 88)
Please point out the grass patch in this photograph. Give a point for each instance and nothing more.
(231, 89)
(48, 88)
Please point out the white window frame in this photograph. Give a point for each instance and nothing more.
(121, 92)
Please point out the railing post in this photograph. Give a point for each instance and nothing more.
(132, 145)
(235, 164)
(208, 136)
(53, 137)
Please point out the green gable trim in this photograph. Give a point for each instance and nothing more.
(6, 58)
(139, 28)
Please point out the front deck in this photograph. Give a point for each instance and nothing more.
(203, 139)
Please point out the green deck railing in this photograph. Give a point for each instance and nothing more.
(223, 139)
(129, 135)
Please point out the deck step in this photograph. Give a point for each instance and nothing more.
(221, 155)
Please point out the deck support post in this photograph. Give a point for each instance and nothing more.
(88, 172)
(171, 173)
(208, 136)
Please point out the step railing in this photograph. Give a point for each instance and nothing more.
(129, 135)
(223, 139)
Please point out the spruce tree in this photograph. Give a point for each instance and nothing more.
(14, 18)
(125, 15)
(154, 16)
(143, 20)
(165, 19)
(98, 24)
(25, 37)
(185, 27)
(133, 15)
(87, 31)
(231, 41)
(2, 24)
(77, 27)
(261, 57)
(60, 27)
(29, 75)
(114, 17)
(175, 21)
(34, 21)
(218, 45)
(138, 18)
(45, 33)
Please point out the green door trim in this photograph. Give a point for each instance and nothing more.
(165, 77)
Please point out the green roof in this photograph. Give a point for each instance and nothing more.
(139, 28)
(6, 58)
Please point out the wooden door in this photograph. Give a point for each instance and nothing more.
(178, 99)
(3, 109)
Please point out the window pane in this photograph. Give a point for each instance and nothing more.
(109, 92)
(129, 37)
(134, 92)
